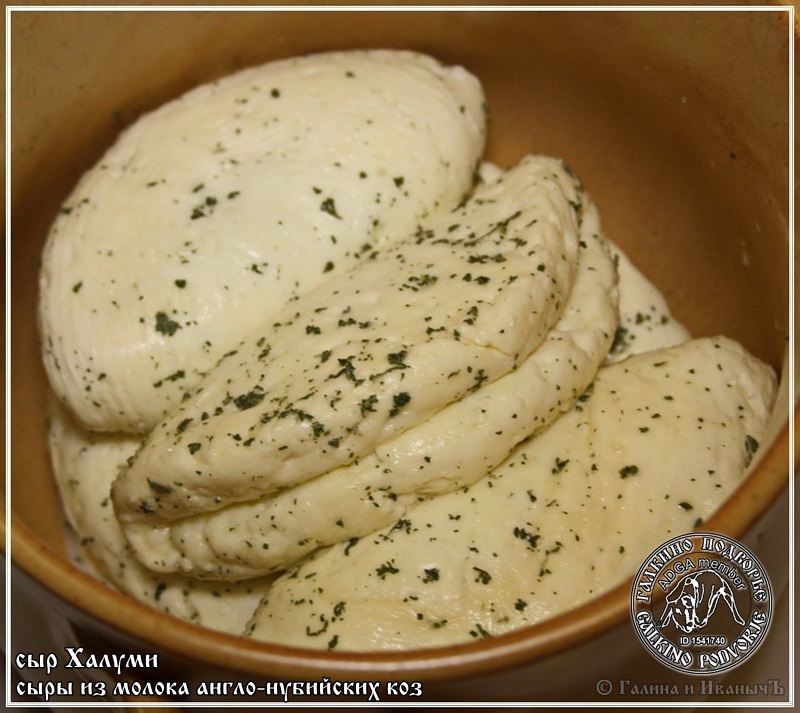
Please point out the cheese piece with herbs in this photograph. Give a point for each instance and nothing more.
(84, 465)
(645, 320)
(371, 352)
(453, 448)
(654, 446)
(218, 207)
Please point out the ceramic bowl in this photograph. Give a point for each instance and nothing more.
(677, 122)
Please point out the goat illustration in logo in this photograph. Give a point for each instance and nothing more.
(694, 600)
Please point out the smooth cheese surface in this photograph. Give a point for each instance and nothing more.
(84, 465)
(215, 209)
(658, 441)
(453, 448)
(371, 352)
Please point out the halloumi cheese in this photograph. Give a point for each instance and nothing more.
(370, 353)
(215, 209)
(84, 465)
(656, 444)
(645, 319)
(451, 449)
(303, 342)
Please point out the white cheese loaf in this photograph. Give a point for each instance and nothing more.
(220, 206)
(654, 446)
(84, 465)
(454, 447)
(370, 353)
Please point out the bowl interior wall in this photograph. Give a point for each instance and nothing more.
(681, 139)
